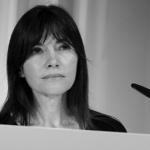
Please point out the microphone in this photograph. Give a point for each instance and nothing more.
(143, 90)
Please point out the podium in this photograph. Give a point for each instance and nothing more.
(41, 138)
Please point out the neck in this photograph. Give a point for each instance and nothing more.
(50, 112)
(49, 109)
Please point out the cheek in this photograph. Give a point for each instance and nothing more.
(70, 63)
(31, 69)
(32, 72)
(69, 58)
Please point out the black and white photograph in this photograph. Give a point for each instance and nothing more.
(74, 74)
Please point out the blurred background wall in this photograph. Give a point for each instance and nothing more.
(116, 37)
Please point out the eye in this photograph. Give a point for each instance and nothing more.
(64, 46)
(38, 49)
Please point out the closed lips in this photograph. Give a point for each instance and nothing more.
(53, 76)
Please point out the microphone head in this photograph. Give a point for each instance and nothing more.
(143, 90)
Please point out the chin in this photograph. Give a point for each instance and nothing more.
(54, 90)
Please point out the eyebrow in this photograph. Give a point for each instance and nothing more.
(61, 41)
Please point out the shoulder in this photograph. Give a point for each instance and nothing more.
(7, 119)
(103, 122)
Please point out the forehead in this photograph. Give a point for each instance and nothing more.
(48, 40)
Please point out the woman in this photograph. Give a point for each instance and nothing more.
(47, 75)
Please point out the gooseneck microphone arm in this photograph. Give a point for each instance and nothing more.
(143, 90)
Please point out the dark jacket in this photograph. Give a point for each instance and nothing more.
(103, 122)
(97, 121)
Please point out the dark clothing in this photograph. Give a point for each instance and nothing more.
(97, 121)
(103, 122)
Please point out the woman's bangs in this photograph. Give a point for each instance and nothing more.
(42, 28)
(56, 30)
(33, 38)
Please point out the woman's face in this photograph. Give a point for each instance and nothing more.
(51, 69)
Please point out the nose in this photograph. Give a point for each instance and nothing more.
(52, 60)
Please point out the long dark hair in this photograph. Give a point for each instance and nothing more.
(39, 21)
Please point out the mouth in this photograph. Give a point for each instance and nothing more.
(53, 76)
